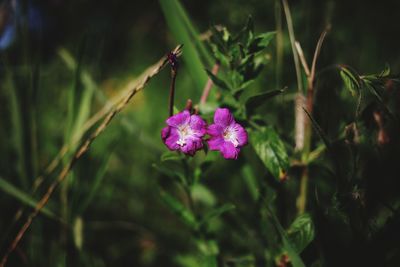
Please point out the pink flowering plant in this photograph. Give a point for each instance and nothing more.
(184, 132)
(226, 135)
(219, 128)
(231, 133)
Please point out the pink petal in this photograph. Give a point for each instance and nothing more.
(215, 130)
(215, 143)
(179, 119)
(165, 133)
(191, 146)
(241, 135)
(223, 117)
(198, 124)
(229, 151)
(171, 139)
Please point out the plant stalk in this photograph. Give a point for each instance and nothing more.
(174, 72)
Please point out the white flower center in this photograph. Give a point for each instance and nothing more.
(230, 134)
(184, 132)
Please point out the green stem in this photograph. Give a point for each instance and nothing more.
(302, 198)
(279, 43)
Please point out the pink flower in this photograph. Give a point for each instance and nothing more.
(184, 132)
(226, 135)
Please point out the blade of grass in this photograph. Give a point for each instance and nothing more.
(23, 197)
(84, 147)
(100, 174)
(279, 43)
(292, 42)
(204, 53)
(17, 128)
(177, 24)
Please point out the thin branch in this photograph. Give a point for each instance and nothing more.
(209, 84)
(83, 148)
(317, 51)
(302, 58)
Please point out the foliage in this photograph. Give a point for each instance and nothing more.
(131, 202)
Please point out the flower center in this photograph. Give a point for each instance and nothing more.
(231, 136)
(184, 132)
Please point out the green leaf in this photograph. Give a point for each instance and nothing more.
(78, 232)
(301, 232)
(171, 155)
(216, 213)
(271, 150)
(260, 42)
(95, 185)
(385, 72)
(351, 80)
(202, 194)
(319, 130)
(294, 257)
(257, 100)
(217, 39)
(184, 33)
(245, 35)
(170, 172)
(179, 209)
(23, 197)
(251, 182)
(217, 81)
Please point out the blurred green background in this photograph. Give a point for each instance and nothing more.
(69, 58)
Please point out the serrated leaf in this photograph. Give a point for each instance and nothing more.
(179, 209)
(349, 85)
(351, 80)
(385, 72)
(217, 81)
(301, 232)
(271, 150)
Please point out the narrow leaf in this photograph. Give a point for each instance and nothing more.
(23, 197)
(261, 41)
(179, 209)
(255, 101)
(217, 81)
(294, 257)
(178, 23)
(217, 212)
(319, 130)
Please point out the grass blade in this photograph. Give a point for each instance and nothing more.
(180, 28)
(21, 196)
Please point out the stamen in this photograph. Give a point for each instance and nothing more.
(184, 132)
(231, 135)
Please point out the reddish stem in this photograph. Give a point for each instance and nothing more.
(174, 72)
(209, 84)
